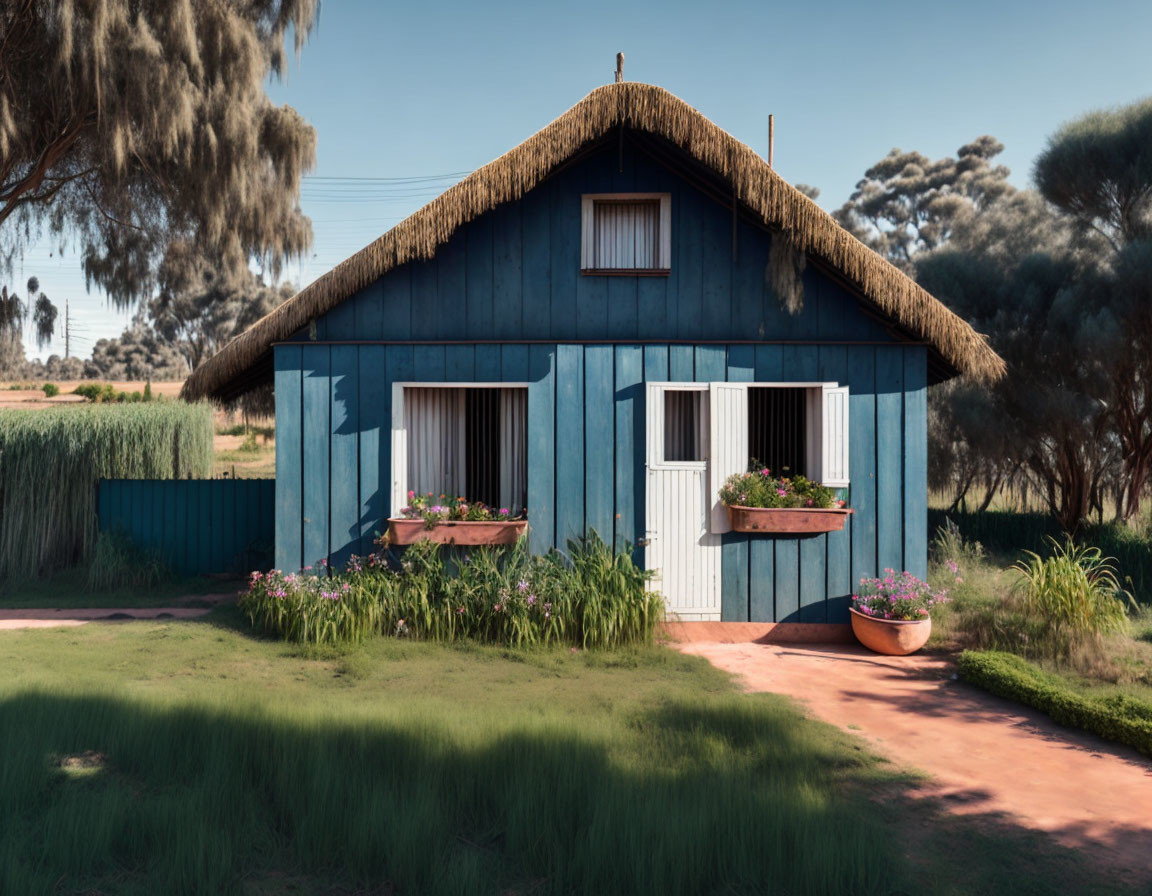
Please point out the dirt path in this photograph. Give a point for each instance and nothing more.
(12, 619)
(984, 755)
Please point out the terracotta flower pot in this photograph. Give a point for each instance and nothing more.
(404, 531)
(891, 637)
(787, 520)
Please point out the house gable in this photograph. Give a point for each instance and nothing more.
(513, 274)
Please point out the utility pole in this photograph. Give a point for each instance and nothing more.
(67, 331)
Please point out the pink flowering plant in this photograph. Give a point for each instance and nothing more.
(309, 607)
(759, 488)
(588, 596)
(434, 509)
(900, 596)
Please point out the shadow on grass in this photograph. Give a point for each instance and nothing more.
(733, 795)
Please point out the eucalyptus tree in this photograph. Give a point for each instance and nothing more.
(128, 125)
(908, 203)
(1098, 171)
(200, 307)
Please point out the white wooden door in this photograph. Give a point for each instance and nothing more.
(681, 547)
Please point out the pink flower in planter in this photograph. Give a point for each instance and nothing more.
(781, 492)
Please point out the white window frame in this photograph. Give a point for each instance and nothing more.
(400, 432)
(821, 459)
(655, 457)
(588, 229)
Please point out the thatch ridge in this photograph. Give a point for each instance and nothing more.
(647, 108)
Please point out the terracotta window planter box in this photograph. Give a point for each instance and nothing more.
(891, 637)
(787, 520)
(402, 531)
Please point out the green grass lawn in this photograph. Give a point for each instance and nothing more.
(69, 589)
(194, 758)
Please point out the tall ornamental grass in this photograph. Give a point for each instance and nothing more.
(51, 461)
(1074, 592)
(589, 597)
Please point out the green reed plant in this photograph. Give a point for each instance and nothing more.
(589, 596)
(1074, 593)
(51, 461)
(116, 562)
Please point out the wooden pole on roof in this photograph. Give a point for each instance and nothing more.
(771, 138)
(619, 67)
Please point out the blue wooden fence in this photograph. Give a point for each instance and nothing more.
(198, 526)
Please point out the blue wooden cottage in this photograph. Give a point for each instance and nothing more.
(592, 327)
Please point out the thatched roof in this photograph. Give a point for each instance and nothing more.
(640, 107)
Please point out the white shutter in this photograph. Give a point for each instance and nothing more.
(654, 438)
(814, 432)
(834, 450)
(399, 452)
(727, 443)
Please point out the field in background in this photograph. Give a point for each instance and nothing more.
(236, 455)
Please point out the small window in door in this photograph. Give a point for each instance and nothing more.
(778, 429)
(684, 425)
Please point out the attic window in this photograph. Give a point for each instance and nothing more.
(626, 233)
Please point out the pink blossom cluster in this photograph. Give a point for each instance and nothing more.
(899, 596)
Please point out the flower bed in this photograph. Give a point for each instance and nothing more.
(757, 501)
(787, 520)
(454, 520)
(590, 597)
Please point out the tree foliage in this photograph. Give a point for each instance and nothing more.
(1061, 280)
(131, 125)
(908, 203)
(1098, 169)
(200, 307)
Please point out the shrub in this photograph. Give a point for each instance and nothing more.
(249, 443)
(147, 391)
(591, 597)
(902, 597)
(310, 608)
(1074, 593)
(1117, 717)
(51, 390)
(51, 461)
(116, 562)
(759, 488)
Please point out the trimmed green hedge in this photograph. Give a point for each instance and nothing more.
(1117, 717)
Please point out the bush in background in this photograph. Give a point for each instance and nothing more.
(1074, 593)
(1117, 717)
(51, 390)
(115, 562)
(51, 461)
(590, 597)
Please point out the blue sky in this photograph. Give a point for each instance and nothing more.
(421, 90)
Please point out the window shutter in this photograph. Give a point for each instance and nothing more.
(728, 442)
(654, 437)
(399, 452)
(834, 467)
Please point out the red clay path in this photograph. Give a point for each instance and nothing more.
(983, 754)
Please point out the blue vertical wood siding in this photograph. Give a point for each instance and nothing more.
(508, 295)
(197, 526)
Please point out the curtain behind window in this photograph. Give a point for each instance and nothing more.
(684, 434)
(626, 234)
(513, 449)
(434, 419)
